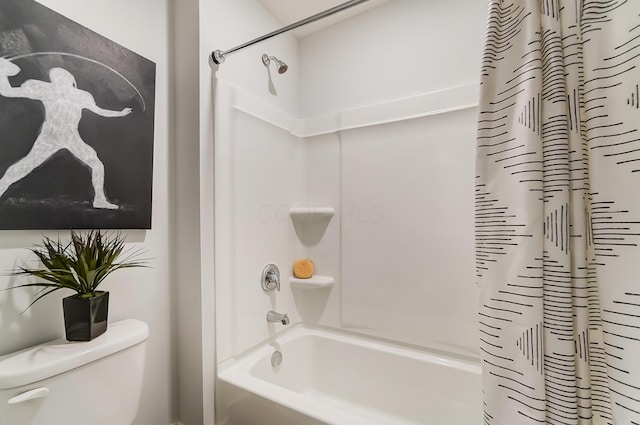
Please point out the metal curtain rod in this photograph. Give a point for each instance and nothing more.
(218, 56)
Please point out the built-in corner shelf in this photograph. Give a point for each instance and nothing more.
(311, 213)
(310, 222)
(314, 282)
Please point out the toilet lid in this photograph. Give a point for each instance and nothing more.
(58, 356)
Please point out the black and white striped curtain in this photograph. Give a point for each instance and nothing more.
(558, 212)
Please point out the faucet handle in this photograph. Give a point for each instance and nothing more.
(270, 278)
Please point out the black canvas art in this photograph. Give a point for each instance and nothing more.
(76, 125)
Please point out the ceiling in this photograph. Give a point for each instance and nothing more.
(290, 11)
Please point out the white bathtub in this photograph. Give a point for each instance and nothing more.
(344, 379)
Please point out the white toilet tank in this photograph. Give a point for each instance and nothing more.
(76, 383)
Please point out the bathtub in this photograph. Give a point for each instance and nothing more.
(330, 377)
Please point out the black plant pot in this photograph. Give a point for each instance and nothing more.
(85, 318)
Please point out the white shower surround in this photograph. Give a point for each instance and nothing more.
(349, 92)
(255, 228)
(341, 378)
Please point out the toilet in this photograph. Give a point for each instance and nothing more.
(98, 382)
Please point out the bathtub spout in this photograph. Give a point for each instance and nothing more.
(272, 316)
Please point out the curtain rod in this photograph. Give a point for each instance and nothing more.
(218, 56)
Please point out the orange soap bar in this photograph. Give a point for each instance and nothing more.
(303, 269)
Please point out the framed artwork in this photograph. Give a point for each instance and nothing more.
(76, 125)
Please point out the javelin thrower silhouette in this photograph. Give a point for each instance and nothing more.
(63, 103)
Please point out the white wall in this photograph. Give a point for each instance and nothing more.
(399, 82)
(255, 168)
(400, 246)
(265, 175)
(406, 188)
(142, 26)
(222, 25)
(188, 291)
(407, 231)
(226, 24)
(398, 50)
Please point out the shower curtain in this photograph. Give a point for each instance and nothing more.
(558, 212)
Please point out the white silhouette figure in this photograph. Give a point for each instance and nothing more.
(63, 104)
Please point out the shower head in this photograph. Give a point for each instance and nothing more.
(282, 67)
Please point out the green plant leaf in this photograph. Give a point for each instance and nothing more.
(80, 265)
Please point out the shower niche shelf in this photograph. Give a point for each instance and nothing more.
(310, 222)
(311, 213)
(314, 282)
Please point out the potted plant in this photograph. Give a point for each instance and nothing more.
(80, 265)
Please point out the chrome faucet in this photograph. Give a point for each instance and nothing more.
(272, 316)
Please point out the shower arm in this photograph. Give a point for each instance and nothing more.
(218, 56)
